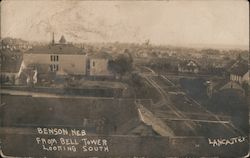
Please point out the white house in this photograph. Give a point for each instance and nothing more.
(62, 58)
(188, 66)
(239, 72)
(240, 77)
(98, 64)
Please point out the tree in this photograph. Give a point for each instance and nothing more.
(121, 65)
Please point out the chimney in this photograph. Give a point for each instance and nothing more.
(53, 38)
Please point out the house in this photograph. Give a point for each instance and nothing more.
(13, 44)
(28, 75)
(35, 73)
(98, 64)
(239, 72)
(188, 66)
(219, 86)
(61, 58)
(229, 87)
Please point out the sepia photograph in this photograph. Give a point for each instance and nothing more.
(124, 78)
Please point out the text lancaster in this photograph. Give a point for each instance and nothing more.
(230, 141)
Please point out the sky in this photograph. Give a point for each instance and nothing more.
(174, 22)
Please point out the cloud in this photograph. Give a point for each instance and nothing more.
(174, 22)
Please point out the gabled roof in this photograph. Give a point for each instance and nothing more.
(232, 85)
(239, 68)
(62, 40)
(129, 126)
(229, 64)
(146, 119)
(185, 63)
(56, 49)
(157, 124)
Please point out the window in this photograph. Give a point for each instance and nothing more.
(54, 58)
(93, 63)
(54, 67)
